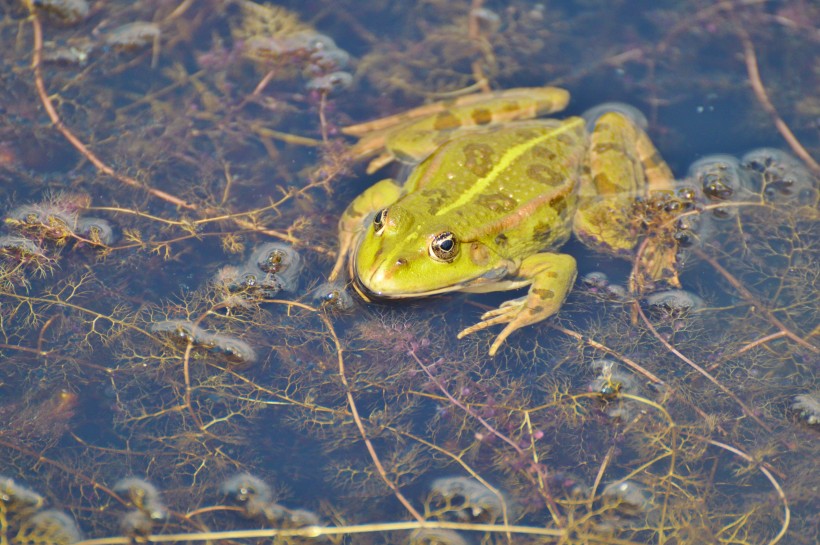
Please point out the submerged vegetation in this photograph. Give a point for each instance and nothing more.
(171, 364)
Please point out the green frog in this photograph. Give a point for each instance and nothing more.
(493, 196)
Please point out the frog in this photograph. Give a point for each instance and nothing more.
(494, 194)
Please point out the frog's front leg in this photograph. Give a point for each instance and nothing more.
(550, 276)
(352, 222)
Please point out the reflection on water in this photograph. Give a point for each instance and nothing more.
(173, 173)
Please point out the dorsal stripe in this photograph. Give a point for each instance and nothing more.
(503, 163)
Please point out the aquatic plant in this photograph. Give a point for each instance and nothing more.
(158, 319)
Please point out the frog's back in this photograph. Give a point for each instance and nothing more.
(513, 187)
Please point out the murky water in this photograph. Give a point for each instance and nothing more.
(173, 174)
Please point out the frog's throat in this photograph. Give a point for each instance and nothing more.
(370, 296)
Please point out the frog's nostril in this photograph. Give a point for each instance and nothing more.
(401, 261)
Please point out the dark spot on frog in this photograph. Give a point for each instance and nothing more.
(478, 158)
(446, 121)
(559, 204)
(544, 293)
(603, 184)
(501, 239)
(435, 197)
(511, 106)
(479, 254)
(603, 147)
(542, 233)
(482, 116)
(497, 202)
(543, 153)
(545, 175)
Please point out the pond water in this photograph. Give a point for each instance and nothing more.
(174, 362)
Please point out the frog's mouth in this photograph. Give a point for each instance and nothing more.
(472, 284)
(369, 295)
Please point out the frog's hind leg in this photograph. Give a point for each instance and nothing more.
(624, 168)
(551, 277)
(616, 121)
(623, 165)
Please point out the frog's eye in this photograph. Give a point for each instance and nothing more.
(379, 220)
(444, 247)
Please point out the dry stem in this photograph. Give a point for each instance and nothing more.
(36, 65)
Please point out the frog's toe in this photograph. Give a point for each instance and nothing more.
(501, 315)
(488, 319)
(499, 340)
(515, 313)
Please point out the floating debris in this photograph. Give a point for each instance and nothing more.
(436, 536)
(719, 176)
(610, 383)
(46, 221)
(780, 176)
(488, 21)
(74, 53)
(57, 220)
(279, 260)
(22, 250)
(49, 527)
(97, 230)
(249, 283)
(132, 35)
(20, 508)
(627, 498)
(272, 36)
(469, 499)
(182, 332)
(595, 280)
(333, 296)
(330, 82)
(271, 268)
(136, 524)
(250, 492)
(674, 303)
(17, 498)
(808, 406)
(232, 349)
(721, 179)
(144, 496)
(68, 12)
(299, 518)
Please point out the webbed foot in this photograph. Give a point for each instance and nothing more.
(552, 278)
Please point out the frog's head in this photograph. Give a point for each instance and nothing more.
(398, 257)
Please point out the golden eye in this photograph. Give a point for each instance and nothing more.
(379, 220)
(444, 247)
